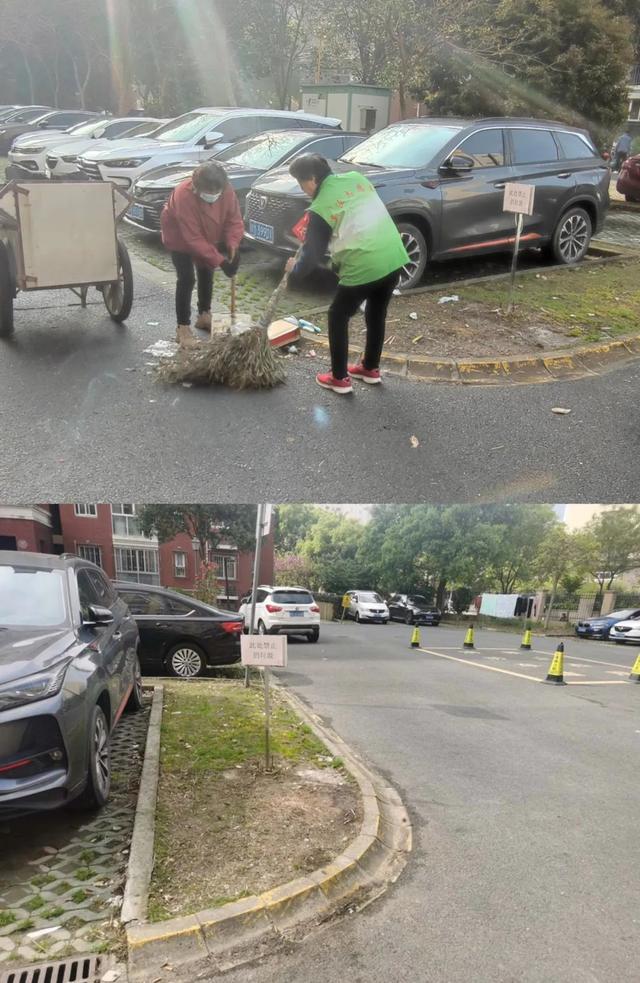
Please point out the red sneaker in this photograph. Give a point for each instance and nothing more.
(372, 376)
(326, 380)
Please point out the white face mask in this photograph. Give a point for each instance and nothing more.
(210, 199)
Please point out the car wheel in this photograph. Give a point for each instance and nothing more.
(571, 237)
(262, 628)
(619, 641)
(415, 243)
(384, 622)
(96, 793)
(134, 703)
(357, 617)
(314, 635)
(185, 661)
(631, 198)
(408, 619)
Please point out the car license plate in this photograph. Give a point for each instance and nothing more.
(137, 211)
(261, 231)
(296, 614)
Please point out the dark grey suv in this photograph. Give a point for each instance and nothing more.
(443, 182)
(68, 669)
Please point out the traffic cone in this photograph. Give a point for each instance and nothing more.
(634, 675)
(526, 640)
(415, 638)
(556, 669)
(468, 640)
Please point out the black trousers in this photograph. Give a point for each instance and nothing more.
(377, 297)
(187, 271)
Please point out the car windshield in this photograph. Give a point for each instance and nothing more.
(31, 598)
(86, 129)
(402, 145)
(620, 615)
(418, 599)
(262, 152)
(369, 597)
(29, 116)
(187, 127)
(291, 597)
(142, 129)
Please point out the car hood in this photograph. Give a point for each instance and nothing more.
(628, 624)
(42, 140)
(76, 145)
(135, 145)
(24, 651)
(372, 605)
(280, 182)
(169, 176)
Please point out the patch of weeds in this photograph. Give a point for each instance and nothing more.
(87, 856)
(26, 925)
(73, 923)
(33, 904)
(219, 902)
(84, 873)
(41, 880)
(52, 913)
(6, 918)
(337, 763)
(79, 896)
(61, 888)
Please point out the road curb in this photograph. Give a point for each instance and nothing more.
(222, 938)
(140, 867)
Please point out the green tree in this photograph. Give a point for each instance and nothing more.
(614, 544)
(561, 554)
(332, 550)
(209, 524)
(517, 531)
(293, 524)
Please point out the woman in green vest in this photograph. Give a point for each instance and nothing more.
(349, 220)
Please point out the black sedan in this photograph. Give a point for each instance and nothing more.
(244, 162)
(413, 609)
(179, 635)
(62, 120)
(68, 669)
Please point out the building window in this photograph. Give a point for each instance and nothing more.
(222, 560)
(86, 511)
(125, 521)
(137, 565)
(634, 109)
(91, 553)
(180, 564)
(368, 119)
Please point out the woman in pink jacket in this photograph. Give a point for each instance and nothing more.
(202, 227)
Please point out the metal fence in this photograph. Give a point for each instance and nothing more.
(578, 607)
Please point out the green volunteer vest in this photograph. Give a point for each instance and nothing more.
(365, 245)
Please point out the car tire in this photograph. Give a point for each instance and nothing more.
(98, 787)
(385, 622)
(262, 628)
(357, 618)
(415, 243)
(314, 635)
(631, 198)
(619, 641)
(135, 701)
(408, 619)
(185, 661)
(571, 237)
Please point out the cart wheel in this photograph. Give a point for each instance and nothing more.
(7, 293)
(118, 296)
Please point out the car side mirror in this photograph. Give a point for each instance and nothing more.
(459, 163)
(211, 139)
(98, 616)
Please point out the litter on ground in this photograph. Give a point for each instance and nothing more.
(162, 349)
(453, 299)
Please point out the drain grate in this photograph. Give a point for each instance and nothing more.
(81, 969)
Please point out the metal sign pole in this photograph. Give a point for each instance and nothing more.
(514, 262)
(256, 575)
(267, 720)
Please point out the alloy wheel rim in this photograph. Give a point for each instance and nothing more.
(412, 246)
(185, 662)
(574, 236)
(261, 629)
(101, 755)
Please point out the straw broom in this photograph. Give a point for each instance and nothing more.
(243, 361)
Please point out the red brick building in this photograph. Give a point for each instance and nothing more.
(110, 536)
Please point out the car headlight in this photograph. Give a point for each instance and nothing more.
(126, 162)
(32, 688)
(70, 160)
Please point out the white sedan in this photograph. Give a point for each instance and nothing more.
(62, 160)
(366, 605)
(626, 632)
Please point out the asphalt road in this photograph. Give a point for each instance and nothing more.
(82, 416)
(524, 798)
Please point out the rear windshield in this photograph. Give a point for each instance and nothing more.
(31, 598)
(292, 597)
(403, 145)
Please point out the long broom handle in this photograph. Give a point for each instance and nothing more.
(233, 300)
(271, 307)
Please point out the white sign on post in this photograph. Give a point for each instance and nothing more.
(268, 651)
(518, 198)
